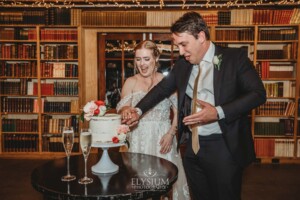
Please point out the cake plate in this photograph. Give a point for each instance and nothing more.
(105, 165)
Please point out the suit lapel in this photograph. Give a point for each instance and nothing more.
(184, 82)
(217, 77)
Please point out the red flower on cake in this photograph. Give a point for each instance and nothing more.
(93, 109)
(115, 140)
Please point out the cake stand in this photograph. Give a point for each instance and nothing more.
(105, 165)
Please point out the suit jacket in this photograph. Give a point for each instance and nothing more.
(237, 89)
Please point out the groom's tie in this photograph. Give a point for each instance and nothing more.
(195, 138)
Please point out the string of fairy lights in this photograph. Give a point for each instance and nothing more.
(128, 4)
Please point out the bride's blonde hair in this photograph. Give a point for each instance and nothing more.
(148, 44)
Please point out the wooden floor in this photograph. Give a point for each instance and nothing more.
(261, 181)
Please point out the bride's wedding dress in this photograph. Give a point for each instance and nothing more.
(146, 136)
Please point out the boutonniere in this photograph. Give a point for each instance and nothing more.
(217, 60)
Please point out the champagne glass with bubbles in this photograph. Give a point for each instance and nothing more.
(85, 144)
(68, 141)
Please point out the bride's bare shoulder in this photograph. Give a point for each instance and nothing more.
(160, 76)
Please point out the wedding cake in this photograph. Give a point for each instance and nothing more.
(105, 128)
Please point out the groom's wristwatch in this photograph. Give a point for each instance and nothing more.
(139, 111)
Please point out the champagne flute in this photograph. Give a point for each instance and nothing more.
(85, 144)
(68, 141)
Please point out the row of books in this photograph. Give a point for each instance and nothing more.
(17, 105)
(18, 69)
(20, 142)
(246, 34)
(277, 34)
(72, 106)
(47, 16)
(17, 33)
(280, 108)
(29, 69)
(264, 16)
(268, 16)
(14, 87)
(20, 125)
(57, 107)
(56, 88)
(267, 69)
(76, 16)
(289, 51)
(270, 54)
(18, 51)
(54, 144)
(58, 34)
(57, 16)
(31, 105)
(52, 125)
(61, 107)
(59, 51)
(109, 18)
(284, 127)
(59, 69)
(28, 87)
(274, 147)
(280, 89)
(224, 17)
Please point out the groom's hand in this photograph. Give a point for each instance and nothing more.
(207, 114)
(130, 116)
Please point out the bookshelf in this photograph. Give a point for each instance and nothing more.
(275, 122)
(274, 50)
(39, 78)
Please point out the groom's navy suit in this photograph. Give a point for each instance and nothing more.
(237, 89)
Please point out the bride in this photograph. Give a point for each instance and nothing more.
(155, 132)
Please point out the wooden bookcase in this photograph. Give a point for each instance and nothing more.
(40, 90)
(274, 50)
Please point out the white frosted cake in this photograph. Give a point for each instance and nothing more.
(104, 128)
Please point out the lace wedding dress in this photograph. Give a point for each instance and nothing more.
(146, 136)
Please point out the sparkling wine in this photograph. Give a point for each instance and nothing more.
(85, 142)
(68, 141)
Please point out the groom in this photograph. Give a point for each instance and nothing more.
(213, 109)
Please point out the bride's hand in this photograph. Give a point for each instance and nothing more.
(130, 116)
(166, 143)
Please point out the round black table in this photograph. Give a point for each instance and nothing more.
(140, 176)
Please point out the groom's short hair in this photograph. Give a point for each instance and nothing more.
(191, 22)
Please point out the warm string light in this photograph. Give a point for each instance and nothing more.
(130, 47)
(141, 4)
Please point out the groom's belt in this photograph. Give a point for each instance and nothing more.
(215, 136)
